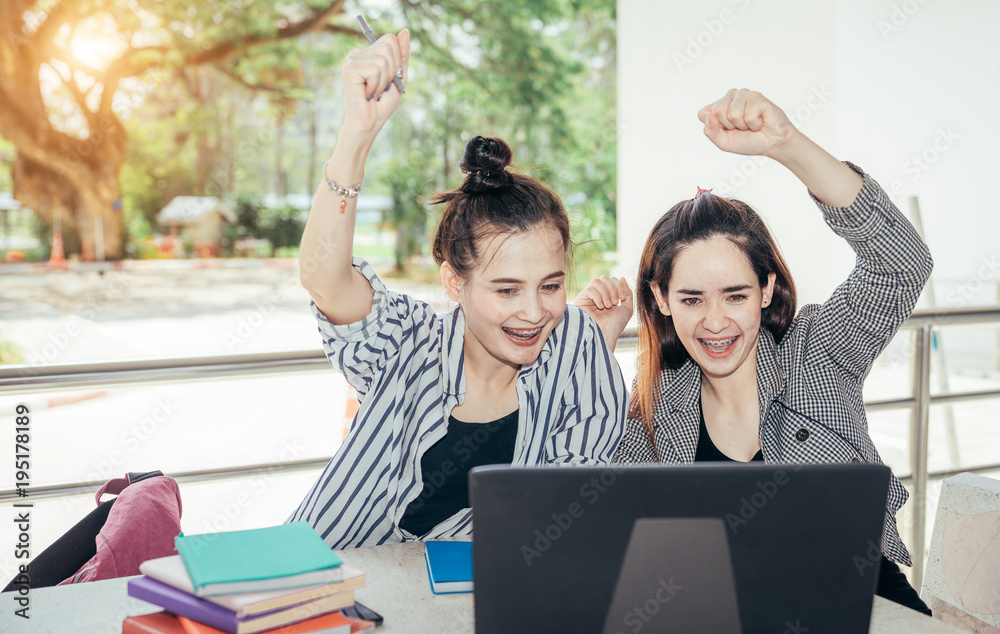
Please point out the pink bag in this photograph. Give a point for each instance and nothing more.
(142, 524)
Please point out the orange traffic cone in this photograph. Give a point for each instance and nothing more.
(57, 258)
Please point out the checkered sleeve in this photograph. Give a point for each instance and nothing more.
(635, 446)
(893, 264)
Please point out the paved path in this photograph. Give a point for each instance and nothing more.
(60, 317)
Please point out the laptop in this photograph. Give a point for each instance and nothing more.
(751, 548)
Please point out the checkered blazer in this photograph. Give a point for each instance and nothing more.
(809, 384)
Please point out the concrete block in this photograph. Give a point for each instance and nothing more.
(962, 575)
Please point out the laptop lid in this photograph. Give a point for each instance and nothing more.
(550, 542)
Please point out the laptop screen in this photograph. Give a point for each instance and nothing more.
(552, 546)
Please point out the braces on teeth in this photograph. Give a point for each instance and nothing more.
(719, 344)
(522, 334)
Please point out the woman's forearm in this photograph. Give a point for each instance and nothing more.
(325, 270)
(832, 182)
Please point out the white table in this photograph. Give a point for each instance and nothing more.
(396, 587)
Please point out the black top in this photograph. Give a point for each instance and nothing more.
(892, 583)
(708, 452)
(445, 468)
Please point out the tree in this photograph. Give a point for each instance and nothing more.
(539, 74)
(183, 83)
(64, 64)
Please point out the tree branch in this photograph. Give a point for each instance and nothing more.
(78, 95)
(225, 50)
(126, 65)
(470, 73)
(243, 82)
(108, 91)
(74, 64)
(343, 30)
(429, 43)
(66, 11)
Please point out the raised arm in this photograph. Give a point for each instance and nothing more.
(339, 291)
(854, 325)
(746, 122)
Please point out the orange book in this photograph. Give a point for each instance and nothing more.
(155, 623)
(331, 623)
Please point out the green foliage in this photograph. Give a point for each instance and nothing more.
(138, 231)
(539, 74)
(594, 236)
(404, 173)
(44, 233)
(281, 226)
(7, 154)
(248, 214)
(160, 163)
(9, 353)
(230, 234)
(35, 254)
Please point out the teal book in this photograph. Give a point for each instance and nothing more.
(449, 566)
(258, 560)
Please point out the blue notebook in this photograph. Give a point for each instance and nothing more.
(449, 566)
(258, 560)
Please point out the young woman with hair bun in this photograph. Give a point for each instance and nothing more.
(512, 375)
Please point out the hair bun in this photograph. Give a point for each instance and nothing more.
(485, 162)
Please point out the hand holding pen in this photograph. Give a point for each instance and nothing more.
(398, 79)
(368, 75)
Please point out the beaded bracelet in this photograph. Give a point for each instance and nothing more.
(346, 192)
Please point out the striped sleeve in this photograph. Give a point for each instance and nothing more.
(362, 349)
(592, 408)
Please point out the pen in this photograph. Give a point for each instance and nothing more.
(371, 40)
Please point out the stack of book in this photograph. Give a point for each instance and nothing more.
(245, 582)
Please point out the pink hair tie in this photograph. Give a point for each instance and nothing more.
(702, 191)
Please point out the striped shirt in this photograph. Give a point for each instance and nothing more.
(406, 363)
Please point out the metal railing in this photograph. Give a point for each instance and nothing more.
(22, 379)
(922, 323)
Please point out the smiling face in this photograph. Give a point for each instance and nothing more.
(513, 299)
(714, 300)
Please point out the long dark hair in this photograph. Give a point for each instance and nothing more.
(687, 222)
(491, 201)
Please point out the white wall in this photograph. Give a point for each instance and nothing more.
(876, 82)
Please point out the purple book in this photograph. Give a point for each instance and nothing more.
(180, 602)
(198, 609)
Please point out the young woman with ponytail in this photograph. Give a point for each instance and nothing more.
(728, 369)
